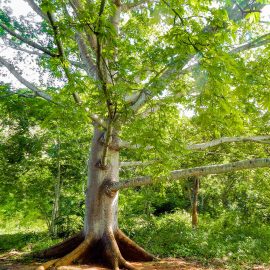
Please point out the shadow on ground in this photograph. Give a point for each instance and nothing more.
(20, 241)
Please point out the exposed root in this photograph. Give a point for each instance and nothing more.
(62, 248)
(69, 258)
(112, 249)
(126, 264)
(113, 253)
(46, 265)
(130, 250)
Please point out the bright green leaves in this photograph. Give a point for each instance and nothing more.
(6, 20)
(253, 17)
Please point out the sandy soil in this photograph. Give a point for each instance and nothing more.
(15, 261)
(160, 265)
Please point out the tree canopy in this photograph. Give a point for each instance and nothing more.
(179, 87)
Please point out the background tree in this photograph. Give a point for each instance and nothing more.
(131, 67)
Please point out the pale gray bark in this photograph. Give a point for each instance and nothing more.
(201, 146)
(137, 100)
(101, 207)
(256, 139)
(74, 63)
(22, 80)
(115, 19)
(36, 8)
(96, 119)
(197, 171)
(27, 41)
(91, 69)
(135, 4)
(258, 42)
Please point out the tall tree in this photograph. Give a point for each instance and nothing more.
(131, 67)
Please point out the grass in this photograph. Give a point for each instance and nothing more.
(234, 245)
(223, 242)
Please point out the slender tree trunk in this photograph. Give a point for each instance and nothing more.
(56, 204)
(195, 192)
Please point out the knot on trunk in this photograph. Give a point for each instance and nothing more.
(106, 187)
(113, 142)
(102, 166)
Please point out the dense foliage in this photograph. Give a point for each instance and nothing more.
(199, 71)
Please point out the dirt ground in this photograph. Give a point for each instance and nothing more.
(160, 265)
(15, 261)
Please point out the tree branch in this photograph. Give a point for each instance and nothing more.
(22, 80)
(197, 171)
(130, 6)
(137, 100)
(91, 69)
(26, 41)
(40, 93)
(56, 33)
(10, 93)
(77, 7)
(74, 63)
(202, 146)
(98, 121)
(115, 19)
(258, 42)
(36, 8)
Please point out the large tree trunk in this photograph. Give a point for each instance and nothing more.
(101, 208)
(101, 241)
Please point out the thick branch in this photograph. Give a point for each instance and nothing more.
(258, 42)
(56, 35)
(26, 41)
(74, 63)
(36, 8)
(11, 93)
(116, 16)
(98, 121)
(138, 99)
(130, 6)
(91, 69)
(22, 80)
(202, 146)
(197, 171)
(89, 30)
(160, 81)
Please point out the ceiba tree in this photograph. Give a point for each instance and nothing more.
(124, 62)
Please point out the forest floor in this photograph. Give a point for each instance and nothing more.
(14, 260)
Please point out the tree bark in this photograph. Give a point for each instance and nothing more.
(101, 240)
(196, 171)
(195, 192)
(101, 209)
(57, 194)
